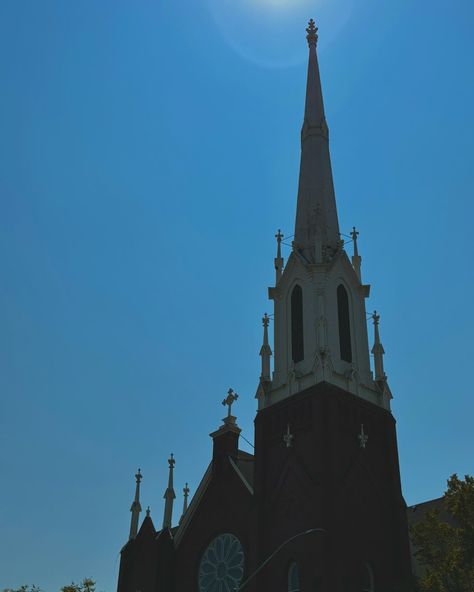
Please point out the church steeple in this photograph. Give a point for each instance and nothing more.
(316, 226)
(136, 507)
(169, 496)
(320, 321)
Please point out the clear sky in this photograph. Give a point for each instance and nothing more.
(148, 153)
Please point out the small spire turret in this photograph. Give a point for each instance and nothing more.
(378, 351)
(136, 507)
(278, 259)
(356, 259)
(169, 496)
(185, 501)
(265, 350)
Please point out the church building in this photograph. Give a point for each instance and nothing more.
(318, 507)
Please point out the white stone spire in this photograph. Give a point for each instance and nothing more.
(278, 259)
(378, 351)
(356, 259)
(136, 507)
(316, 226)
(265, 350)
(169, 496)
(320, 332)
(185, 501)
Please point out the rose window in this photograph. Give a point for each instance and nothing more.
(222, 565)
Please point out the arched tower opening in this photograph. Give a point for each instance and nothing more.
(297, 341)
(345, 346)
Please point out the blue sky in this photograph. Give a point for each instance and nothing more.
(149, 151)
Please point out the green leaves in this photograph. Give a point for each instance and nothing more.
(87, 585)
(445, 545)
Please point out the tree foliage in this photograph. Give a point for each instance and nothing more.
(446, 550)
(87, 585)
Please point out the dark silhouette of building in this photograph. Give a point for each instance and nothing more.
(324, 480)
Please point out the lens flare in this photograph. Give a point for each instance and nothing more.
(269, 32)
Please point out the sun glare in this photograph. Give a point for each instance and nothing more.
(271, 33)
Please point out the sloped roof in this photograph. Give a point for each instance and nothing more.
(245, 463)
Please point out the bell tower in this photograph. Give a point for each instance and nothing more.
(326, 459)
(320, 320)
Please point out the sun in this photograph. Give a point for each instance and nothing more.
(270, 32)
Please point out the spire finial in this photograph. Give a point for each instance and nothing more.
(278, 258)
(312, 33)
(148, 512)
(265, 320)
(185, 500)
(378, 350)
(265, 350)
(136, 507)
(169, 495)
(356, 259)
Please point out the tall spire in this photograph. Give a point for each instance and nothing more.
(136, 507)
(265, 350)
(316, 228)
(169, 496)
(378, 351)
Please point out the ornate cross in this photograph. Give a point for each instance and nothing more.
(186, 491)
(363, 438)
(288, 437)
(138, 476)
(171, 461)
(375, 317)
(279, 236)
(265, 320)
(354, 234)
(232, 396)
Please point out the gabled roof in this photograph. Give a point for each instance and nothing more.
(244, 467)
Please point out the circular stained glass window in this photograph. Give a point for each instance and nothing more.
(222, 565)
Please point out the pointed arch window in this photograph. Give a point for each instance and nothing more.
(368, 579)
(293, 578)
(344, 324)
(297, 343)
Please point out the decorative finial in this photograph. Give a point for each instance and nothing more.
(148, 512)
(362, 437)
(232, 396)
(288, 437)
(278, 259)
(136, 507)
(356, 260)
(378, 351)
(312, 31)
(265, 321)
(169, 495)
(354, 235)
(265, 351)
